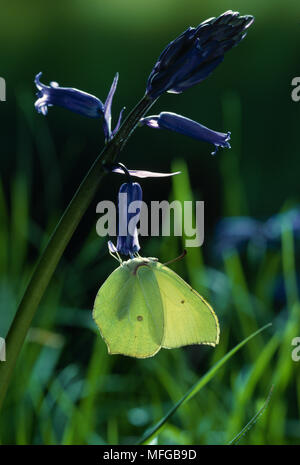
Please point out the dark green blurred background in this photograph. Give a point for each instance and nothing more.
(83, 44)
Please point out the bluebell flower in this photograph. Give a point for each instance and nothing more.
(67, 97)
(127, 241)
(79, 102)
(188, 127)
(236, 232)
(191, 57)
(273, 226)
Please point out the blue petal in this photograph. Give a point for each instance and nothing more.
(197, 76)
(111, 246)
(107, 108)
(188, 127)
(145, 174)
(127, 242)
(67, 97)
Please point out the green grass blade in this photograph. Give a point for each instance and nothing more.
(288, 264)
(19, 224)
(81, 425)
(245, 390)
(182, 190)
(242, 300)
(196, 387)
(4, 231)
(253, 420)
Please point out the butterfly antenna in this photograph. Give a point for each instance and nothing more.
(116, 256)
(177, 258)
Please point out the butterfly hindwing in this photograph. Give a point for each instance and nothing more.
(188, 318)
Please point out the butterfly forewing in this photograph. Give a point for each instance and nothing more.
(128, 311)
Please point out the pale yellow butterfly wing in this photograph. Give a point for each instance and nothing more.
(128, 311)
(188, 318)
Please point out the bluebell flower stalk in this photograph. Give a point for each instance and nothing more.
(59, 240)
(187, 127)
(192, 57)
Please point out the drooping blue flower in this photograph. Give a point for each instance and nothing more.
(78, 101)
(191, 57)
(127, 241)
(129, 214)
(67, 97)
(188, 127)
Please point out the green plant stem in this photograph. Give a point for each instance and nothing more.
(59, 241)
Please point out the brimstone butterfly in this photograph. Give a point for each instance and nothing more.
(144, 306)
